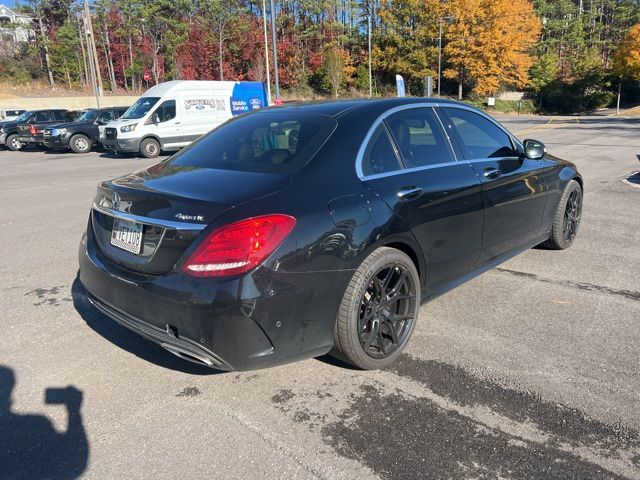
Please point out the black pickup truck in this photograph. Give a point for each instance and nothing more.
(30, 130)
(82, 133)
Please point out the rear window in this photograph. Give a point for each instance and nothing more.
(265, 141)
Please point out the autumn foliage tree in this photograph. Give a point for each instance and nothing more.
(488, 43)
(626, 59)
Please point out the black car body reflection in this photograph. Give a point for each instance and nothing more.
(242, 250)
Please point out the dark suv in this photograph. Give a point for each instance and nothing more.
(30, 130)
(82, 133)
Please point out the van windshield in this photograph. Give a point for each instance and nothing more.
(264, 141)
(140, 108)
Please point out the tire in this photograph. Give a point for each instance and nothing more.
(363, 330)
(13, 143)
(80, 143)
(149, 148)
(566, 220)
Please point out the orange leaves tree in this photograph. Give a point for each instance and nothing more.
(626, 59)
(487, 43)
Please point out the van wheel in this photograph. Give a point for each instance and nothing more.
(149, 148)
(80, 143)
(379, 310)
(13, 143)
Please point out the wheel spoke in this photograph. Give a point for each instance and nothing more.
(375, 327)
(392, 331)
(398, 283)
(387, 279)
(381, 343)
(392, 317)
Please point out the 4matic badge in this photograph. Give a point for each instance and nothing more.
(182, 216)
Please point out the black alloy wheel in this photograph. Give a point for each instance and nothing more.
(572, 214)
(567, 218)
(386, 311)
(378, 311)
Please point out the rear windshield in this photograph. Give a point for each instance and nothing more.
(265, 141)
(140, 108)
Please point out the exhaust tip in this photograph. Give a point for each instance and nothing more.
(189, 356)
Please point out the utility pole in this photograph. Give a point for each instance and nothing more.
(93, 52)
(619, 94)
(440, 57)
(275, 51)
(369, 27)
(266, 49)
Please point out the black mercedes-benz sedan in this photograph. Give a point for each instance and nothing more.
(312, 228)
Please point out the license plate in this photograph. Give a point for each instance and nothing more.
(127, 235)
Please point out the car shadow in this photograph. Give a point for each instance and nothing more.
(30, 446)
(127, 340)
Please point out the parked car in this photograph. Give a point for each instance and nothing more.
(292, 232)
(172, 115)
(31, 130)
(84, 132)
(9, 114)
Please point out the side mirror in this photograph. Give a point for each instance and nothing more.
(534, 150)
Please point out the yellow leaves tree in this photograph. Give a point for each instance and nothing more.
(626, 59)
(487, 43)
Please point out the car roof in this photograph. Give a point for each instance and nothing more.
(336, 108)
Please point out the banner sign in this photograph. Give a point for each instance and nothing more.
(400, 85)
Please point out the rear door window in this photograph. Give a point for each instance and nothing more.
(59, 115)
(41, 117)
(265, 141)
(419, 137)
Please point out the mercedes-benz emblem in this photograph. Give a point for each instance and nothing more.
(115, 203)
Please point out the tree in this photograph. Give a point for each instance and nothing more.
(626, 59)
(488, 41)
(407, 40)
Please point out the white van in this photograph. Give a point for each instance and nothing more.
(171, 115)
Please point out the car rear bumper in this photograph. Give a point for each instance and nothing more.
(26, 139)
(56, 142)
(243, 323)
(128, 145)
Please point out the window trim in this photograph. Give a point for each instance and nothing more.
(436, 108)
(386, 132)
(380, 119)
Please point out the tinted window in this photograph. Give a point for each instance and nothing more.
(40, 117)
(379, 157)
(88, 116)
(268, 141)
(140, 108)
(166, 111)
(59, 115)
(104, 117)
(419, 137)
(482, 138)
(120, 112)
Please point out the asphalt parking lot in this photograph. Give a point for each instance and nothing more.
(532, 370)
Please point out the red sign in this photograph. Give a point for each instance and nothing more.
(146, 76)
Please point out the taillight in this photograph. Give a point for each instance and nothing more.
(239, 247)
(32, 129)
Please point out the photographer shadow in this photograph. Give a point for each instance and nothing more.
(30, 447)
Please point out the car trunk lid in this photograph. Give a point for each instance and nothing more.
(169, 206)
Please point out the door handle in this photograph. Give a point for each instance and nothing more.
(491, 173)
(176, 123)
(408, 193)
